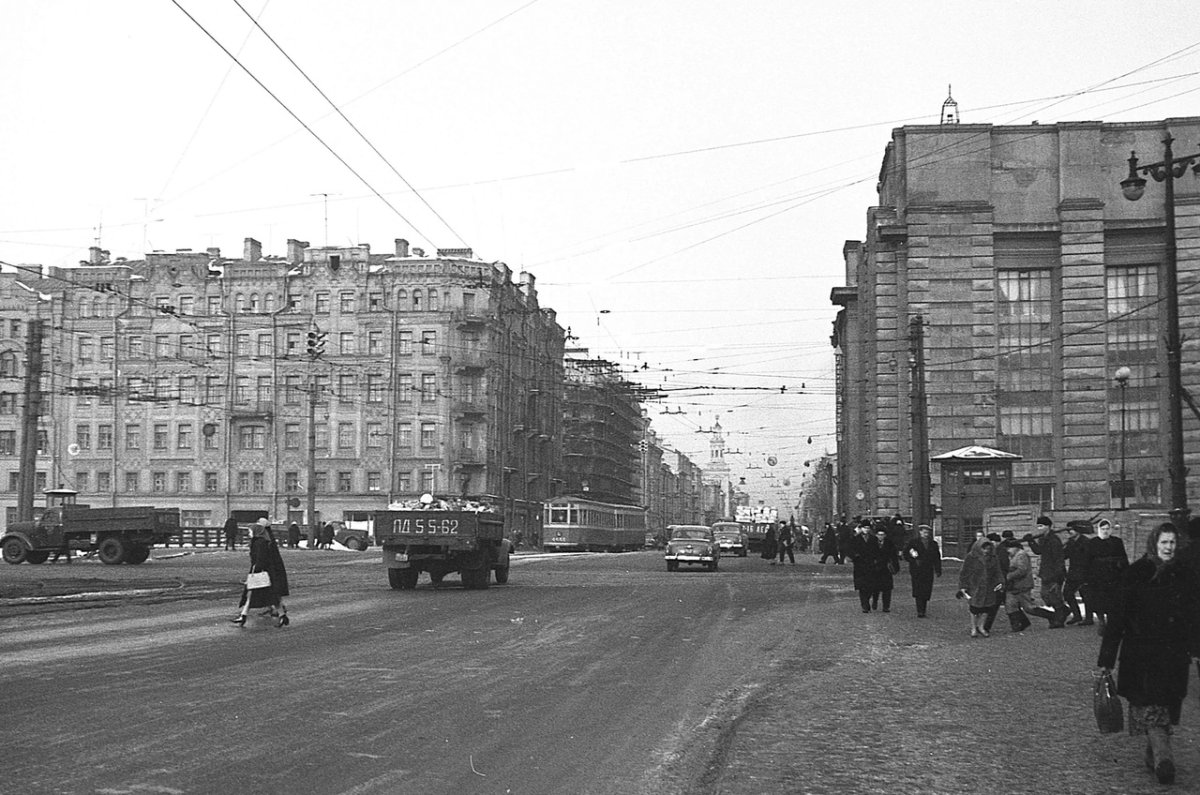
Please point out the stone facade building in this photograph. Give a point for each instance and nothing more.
(189, 379)
(1005, 277)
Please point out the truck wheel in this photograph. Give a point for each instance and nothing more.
(137, 554)
(501, 574)
(112, 551)
(37, 556)
(355, 543)
(14, 551)
(403, 579)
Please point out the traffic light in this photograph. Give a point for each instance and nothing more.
(315, 344)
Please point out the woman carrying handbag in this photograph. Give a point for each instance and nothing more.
(263, 592)
(1153, 633)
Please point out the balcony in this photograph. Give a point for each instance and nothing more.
(470, 360)
(469, 319)
(253, 409)
(469, 457)
(475, 409)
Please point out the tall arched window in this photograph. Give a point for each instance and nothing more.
(402, 299)
(112, 307)
(239, 303)
(253, 302)
(269, 302)
(433, 300)
(416, 304)
(85, 309)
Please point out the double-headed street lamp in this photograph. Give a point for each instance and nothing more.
(1133, 187)
(1121, 376)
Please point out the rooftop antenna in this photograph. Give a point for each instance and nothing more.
(949, 108)
(325, 201)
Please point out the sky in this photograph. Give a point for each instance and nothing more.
(680, 176)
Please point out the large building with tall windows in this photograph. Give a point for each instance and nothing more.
(218, 384)
(1005, 278)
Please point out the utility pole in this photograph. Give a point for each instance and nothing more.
(920, 422)
(315, 346)
(32, 409)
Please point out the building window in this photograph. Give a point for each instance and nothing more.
(83, 481)
(468, 300)
(428, 388)
(8, 442)
(321, 437)
(291, 482)
(374, 302)
(108, 347)
(321, 303)
(433, 300)
(158, 482)
(184, 436)
(428, 436)
(404, 482)
(241, 389)
(404, 436)
(258, 482)
(344, 481)
(264, 346)
(212, 343)
(211, 438)
(346, 388)
(195, 518)
(291, 342)
(162, 346)
(262, 390)
(322, 482)
(291, 436)
(8, 402)
(211, 482)
(104, 437)
(427, 480)
(404, 387)
(416, 300)
(374, 481)
(187, 346)
(291, 390)
(375, 387)
(375, 434)
(345, 436)
(242, 345)
(346, 343)
(187, 305)
(428, 343)
(83, 437)
(374, 342)
(132, 482)
(133, 437)
(252, 437)
(103, 481)
(404, 343)
(162, 433)
(187, 389)
(346, 302)
(213, 305)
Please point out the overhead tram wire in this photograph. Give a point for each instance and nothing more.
(303, 124)
(351, 124)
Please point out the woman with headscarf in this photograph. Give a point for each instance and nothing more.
(1153, 632)
(982, 582)
(924, 558)
(1105, 560)
(264, 556)
(769, 545)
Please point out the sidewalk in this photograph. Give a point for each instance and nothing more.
(889, 703)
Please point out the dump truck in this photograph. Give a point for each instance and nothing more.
(116, 535)
(442, 541)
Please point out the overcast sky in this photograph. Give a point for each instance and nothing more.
(679, 175)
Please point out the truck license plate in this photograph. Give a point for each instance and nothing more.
(402, 557)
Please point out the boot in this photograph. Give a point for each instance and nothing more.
(1043, 612)
(1060, 617)
(1164, 761)
(1016, 621)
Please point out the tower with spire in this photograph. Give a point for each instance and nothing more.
(949, 108)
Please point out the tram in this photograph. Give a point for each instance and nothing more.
(584, 525)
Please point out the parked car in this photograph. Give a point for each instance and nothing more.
(356, 538)
(732, 538)
(692, 544)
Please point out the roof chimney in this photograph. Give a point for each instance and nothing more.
(252, 250)
(97, 256)
(401, 247)
(213, 252)
(296, 249)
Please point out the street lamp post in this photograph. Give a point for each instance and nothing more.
(1133, 187)
(1121, 376)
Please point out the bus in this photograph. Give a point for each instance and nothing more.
(584, 525)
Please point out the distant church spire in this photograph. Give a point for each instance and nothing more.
(949, 108)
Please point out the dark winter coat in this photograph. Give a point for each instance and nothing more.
(980, 575)
(769, 546)
(881, 563)
(264, 556)
(924, 563)
(1075, 554)
(1053, 566)
(857, 549)
(829, 541)
(1105, 562)
(1155, 624)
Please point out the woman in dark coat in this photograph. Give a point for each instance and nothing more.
(264, 556)
(1153, 632)
(982, 582)
(769, 546)
(882, 562)
(924, 558)
(293, 536)
(1105, 560)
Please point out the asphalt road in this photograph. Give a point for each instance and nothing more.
(585, 674)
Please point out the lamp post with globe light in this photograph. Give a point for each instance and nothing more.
(1133, 186)
(1121, 376)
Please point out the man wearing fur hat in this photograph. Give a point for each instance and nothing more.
(1053, 571)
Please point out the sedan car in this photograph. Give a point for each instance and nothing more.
(692, 544)
(731, 538)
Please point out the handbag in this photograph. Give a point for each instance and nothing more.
(258, 579)
(1110, 717)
